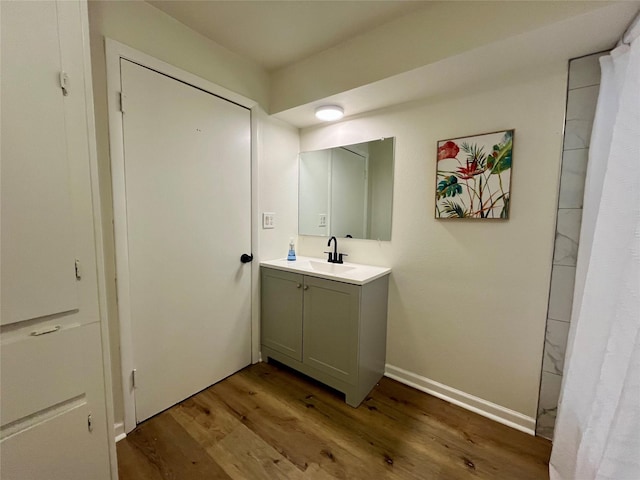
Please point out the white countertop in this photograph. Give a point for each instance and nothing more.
(354, 273)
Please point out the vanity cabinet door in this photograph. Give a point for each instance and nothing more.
(330, 327)
(282, 312)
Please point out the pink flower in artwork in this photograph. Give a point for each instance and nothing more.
(471, 170)
(448, 150)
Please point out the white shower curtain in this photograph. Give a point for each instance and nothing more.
(597, 433)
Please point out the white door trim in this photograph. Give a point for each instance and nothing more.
(98, 238)
(114, 52)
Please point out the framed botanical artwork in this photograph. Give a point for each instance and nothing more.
(473, 176)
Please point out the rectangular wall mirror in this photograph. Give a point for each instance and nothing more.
(347, 191)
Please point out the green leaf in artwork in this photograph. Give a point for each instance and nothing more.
(476, 155)
(504, 213)
(500, 158)
(453, 210)
(449, 187)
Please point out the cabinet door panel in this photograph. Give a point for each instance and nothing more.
(38, 276)
(330, 327)
(41, 371)
(282, 312)
(60, 448)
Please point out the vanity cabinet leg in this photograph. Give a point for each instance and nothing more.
(354, 398)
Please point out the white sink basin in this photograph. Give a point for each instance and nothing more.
(330, 267)
(354, 273)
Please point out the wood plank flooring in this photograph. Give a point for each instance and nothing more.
(269, 422)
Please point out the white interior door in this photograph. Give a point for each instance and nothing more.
(187, 165)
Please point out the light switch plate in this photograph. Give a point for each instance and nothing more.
(268, 220)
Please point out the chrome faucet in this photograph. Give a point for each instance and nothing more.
(335, 257)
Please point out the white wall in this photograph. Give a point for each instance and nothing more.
(145, 28)
(467, 304)
(278, 192)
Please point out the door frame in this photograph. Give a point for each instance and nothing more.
(114, 52)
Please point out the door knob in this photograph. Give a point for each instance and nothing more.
(246, 258)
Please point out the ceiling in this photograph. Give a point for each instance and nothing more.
(275, 34)
(521, 57)
(371, 54)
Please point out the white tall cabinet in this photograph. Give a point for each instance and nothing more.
(52, 379)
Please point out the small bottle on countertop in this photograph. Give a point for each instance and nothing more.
(292, 252)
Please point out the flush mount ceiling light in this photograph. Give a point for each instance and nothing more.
(329, 113)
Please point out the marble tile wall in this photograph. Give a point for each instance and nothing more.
(584, 83)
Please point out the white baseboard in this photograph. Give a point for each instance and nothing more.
(477, 405)
(120, 434)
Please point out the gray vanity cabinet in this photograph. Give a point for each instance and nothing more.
(332, 331)
(330, 327)
(282, 312)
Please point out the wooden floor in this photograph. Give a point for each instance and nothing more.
(268, 422)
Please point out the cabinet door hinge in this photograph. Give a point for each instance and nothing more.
(78, 271)
(64, 83)
(90, 423)
(121, 99)
(133, 377)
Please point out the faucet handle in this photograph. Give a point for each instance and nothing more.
(330, 259)
(340, 255)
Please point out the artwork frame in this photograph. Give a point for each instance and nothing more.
(473, 176)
